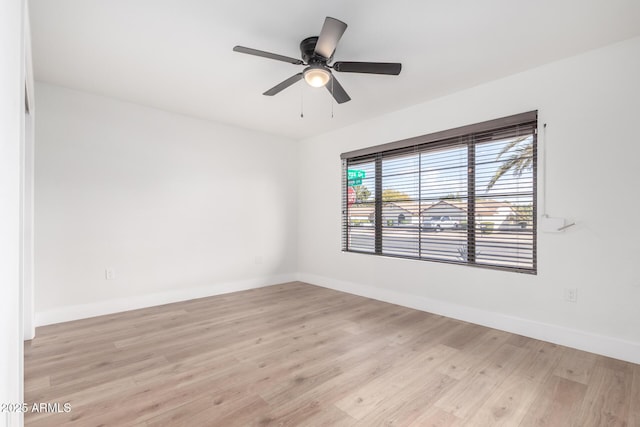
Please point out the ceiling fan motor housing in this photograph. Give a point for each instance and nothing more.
(307, 49)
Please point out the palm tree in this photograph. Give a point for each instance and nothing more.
(521, 159)
(362, 193)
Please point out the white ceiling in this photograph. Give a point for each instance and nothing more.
(177, 55)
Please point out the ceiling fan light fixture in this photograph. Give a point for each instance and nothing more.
(317, 76)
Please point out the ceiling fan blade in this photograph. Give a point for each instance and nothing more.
(335, 88)
(285, 84)
(332, 31)
(391, 68)
(269, 55)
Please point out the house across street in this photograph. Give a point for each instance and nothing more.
(438, 231)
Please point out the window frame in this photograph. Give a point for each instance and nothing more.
(461, 136)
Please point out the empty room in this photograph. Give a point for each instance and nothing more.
(285, 213)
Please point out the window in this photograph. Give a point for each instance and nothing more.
(464, 196)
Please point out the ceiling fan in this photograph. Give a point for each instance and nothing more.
(317, 53)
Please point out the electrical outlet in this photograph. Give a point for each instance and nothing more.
(109, 274)
(571, 294)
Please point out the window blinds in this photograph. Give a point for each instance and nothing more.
(465, 196)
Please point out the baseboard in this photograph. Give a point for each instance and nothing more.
(13, 419)
(581, 340)
(83, 311)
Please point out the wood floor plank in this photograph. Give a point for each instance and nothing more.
(364, 400)
(296, 354)
(463, 362)
(211, 406)
(474, 389)
(329, 416)
(507, 405)
(59, 390)
(607, 399)
(408, 403)
(541, 361)
(309, 413)
(34, 383)
(465, 337)
(634, 410)
(141, 403)
(82, 397)
(357, 368)
(436, 417)
(576, 365)
(556, 404)
(287, 387)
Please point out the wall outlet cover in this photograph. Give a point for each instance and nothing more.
(571, 294)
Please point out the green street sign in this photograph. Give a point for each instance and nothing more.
(355, 174)
(353, 182)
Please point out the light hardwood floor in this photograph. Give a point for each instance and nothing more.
(296, 354)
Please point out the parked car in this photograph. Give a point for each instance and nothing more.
(438, 223)
(514, 226)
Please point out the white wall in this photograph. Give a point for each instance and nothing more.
(13, 72)
(591, 104)
(28, 189)
(179, 208)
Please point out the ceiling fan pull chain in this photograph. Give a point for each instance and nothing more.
(332, 97)
(301, 102)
